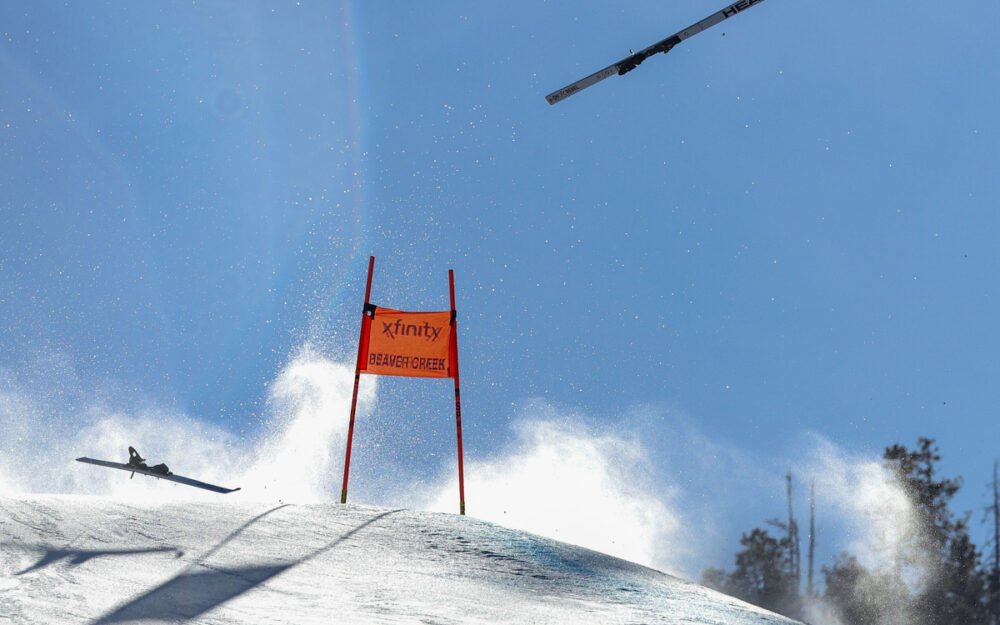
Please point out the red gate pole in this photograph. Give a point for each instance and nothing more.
(458, 401)
(357, 377)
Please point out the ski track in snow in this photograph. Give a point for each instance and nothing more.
(102, 561)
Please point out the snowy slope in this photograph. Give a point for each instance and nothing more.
(72, 559)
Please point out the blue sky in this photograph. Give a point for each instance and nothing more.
(786, 227)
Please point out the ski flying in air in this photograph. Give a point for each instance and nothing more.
(629, 63)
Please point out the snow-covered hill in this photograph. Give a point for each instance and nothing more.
(89, 560)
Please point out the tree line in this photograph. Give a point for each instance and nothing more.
(936, 576)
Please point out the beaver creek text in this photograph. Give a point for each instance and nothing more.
(407, 362)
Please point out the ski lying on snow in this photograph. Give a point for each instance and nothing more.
(173, 478)
(629, 63)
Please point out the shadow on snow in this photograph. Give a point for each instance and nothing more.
(192, 593)
(76, 557)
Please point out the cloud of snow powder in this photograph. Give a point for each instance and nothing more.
(40, 444)
(301, 456)
(297, 456)
(819, 613)
(860, 495)
(562, 480)
(877, 514)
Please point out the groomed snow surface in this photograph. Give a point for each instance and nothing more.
(92, 560)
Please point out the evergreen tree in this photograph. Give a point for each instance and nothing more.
(937, 578)
(964, 586)
(761, 576)
(864, 597)
(951, 589)
(993, 570)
